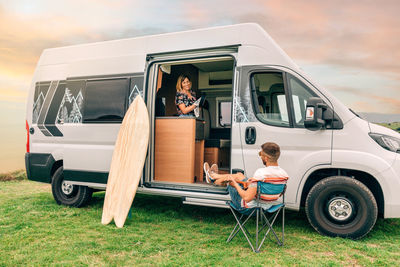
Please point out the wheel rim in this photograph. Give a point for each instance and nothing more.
(340, 208)
(67, 188)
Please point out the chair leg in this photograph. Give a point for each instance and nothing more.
(237, 229)
(283, 225)
(257, 215)
(260, 218)
(244, 232)
(273, 231)
(233, 233)
(270, 228)
(273, 217)
(265, 235)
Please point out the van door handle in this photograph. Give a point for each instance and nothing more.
(251, 135)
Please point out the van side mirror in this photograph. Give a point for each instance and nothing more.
(320, 115)
(314, 111)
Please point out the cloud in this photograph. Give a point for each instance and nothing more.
(372, 102)
(23, 39)
(342, 34)
(348, 33)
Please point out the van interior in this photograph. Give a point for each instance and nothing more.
(183, 144)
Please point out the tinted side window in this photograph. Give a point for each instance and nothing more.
(300, 94)
(269, 99)
(41, 89)
(105, 100)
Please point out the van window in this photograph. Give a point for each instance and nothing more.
(224, 111)
(41, 89)
(105, 100)
(269, 98)
(300, 95)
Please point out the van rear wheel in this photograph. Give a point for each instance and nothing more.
(68, 194)
(341, 206)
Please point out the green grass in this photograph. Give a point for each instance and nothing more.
(393, 125)
(34, 230)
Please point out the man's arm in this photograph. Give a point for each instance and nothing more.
(247, 195)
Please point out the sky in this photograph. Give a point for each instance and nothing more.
(349, 47)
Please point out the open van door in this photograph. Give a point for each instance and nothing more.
(178, 145)
(271, 108)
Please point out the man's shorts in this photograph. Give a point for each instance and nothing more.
(236, 200)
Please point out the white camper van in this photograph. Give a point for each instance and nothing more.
(343, 170)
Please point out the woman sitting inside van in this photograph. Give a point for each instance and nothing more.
(185, 99)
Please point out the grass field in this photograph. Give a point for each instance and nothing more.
(394, 125)
(34, 230)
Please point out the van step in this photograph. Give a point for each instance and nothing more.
(205, 202)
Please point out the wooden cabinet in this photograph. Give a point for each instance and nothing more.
(199, 160)
(178, 157)
(219, 156)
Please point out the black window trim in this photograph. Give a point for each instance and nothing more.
(119, 77)
(287, 92)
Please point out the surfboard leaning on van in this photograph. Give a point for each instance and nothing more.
(343, 170)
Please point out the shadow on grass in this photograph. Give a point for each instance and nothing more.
(172, 208)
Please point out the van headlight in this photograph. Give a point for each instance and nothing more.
(387, 142)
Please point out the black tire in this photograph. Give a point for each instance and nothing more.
(341, 206)
(71, 195)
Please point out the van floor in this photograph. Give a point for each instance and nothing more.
(198, 186)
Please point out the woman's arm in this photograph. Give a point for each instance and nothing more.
(185, 109)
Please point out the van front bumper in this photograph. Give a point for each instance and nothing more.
(38, 166)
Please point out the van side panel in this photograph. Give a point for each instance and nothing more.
(89, 142)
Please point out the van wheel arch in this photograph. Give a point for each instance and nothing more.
(368, 180)
(67, 194)
(54, 168)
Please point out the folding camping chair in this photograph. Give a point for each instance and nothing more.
(268, 202)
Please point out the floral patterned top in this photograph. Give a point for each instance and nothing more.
(182, 98)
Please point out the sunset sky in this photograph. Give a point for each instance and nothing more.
(350, 47)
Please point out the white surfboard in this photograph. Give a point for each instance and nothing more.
(127, 163)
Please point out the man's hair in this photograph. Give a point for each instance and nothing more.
(272, 150)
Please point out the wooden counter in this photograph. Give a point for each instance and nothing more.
(175, 146)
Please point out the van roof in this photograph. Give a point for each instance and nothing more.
(250, 34)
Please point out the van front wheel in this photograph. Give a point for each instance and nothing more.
(68, 194)
(341, 206)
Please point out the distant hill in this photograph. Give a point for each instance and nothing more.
(379, 118)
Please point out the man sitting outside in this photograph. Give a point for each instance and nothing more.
(244, 191)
